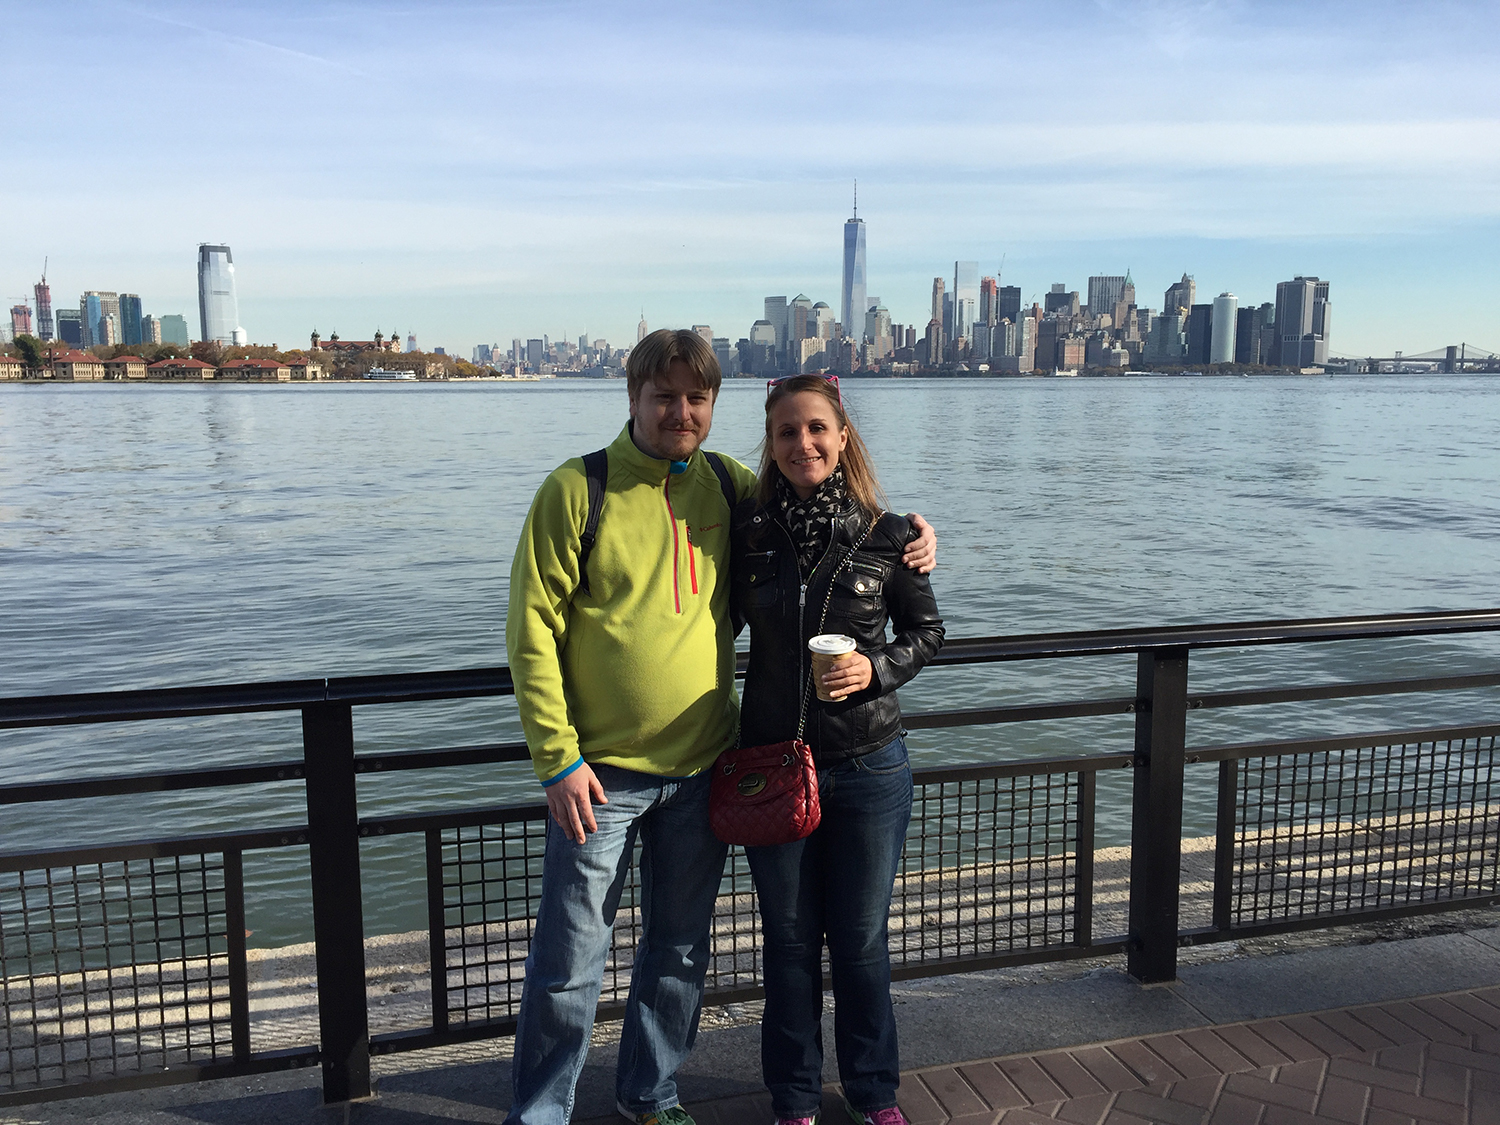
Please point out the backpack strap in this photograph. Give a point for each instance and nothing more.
(726, 486)
(596, 469)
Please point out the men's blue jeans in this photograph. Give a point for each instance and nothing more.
(835, 884)
(682, 863)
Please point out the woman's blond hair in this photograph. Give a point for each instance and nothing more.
(859, 469)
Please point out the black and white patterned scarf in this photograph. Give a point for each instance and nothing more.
(811, 521)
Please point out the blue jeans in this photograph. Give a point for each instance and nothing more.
(835, 885)
(682, 863)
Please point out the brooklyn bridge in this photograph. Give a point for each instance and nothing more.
(1454, 358)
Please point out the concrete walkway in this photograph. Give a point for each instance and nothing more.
(1391, 1032)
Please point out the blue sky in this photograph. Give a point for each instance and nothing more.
(474, 172)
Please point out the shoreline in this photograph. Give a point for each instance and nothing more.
(934, 376)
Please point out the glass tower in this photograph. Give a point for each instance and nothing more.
(130, 318)
(852, 306)
(93, 307)
(218, 308)
(965, 298)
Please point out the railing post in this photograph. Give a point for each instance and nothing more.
(1156, 826)
(338, 921)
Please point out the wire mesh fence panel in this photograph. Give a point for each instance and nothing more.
(491, 886)
(990, 868)
(491, 889)
(114, 968)
(1363, 829)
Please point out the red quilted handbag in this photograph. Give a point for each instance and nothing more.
(763, 795)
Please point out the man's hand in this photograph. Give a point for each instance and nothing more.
(850, 674)
(921, 553)
(571, 802)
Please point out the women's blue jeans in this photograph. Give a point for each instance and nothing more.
(835, 885)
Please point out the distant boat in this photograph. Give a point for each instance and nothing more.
(386, 374)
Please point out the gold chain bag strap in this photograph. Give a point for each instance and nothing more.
(765, 795)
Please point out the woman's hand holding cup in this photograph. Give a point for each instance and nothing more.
(838, 670)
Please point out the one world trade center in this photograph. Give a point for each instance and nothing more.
(854, 275)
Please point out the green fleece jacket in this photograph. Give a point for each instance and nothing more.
(639, 672)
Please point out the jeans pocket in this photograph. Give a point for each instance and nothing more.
(890, 758)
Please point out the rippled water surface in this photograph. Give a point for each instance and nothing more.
(155, 535)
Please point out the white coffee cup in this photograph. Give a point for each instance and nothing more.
(827, 649)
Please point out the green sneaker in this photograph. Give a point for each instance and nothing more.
(672, 1115)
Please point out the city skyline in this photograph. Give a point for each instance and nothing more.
(1160, 137)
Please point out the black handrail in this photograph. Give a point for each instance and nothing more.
(288, 695)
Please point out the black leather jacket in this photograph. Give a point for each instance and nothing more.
(869, 587)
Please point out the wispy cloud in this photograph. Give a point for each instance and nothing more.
(242, 40)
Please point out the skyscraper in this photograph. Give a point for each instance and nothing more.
(70, 327)
(939, 287)
(1249, 334)
(174, 329)
(776, 318)
(1009, 299)
(93, 307)
(1303, 313)
(1221, 347)
(853, 306)
(218, 307)
(1180, 295)
(877, 329)
(965, 298)
(1104, 294)
(130, 318)
(763, 359)
(20, 320)
(1061, 300)
(989, 305)
(43, 291)
(798, 326)
(1200, 328)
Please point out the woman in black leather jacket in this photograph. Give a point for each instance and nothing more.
(816, 553)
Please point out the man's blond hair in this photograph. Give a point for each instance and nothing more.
(653, 356)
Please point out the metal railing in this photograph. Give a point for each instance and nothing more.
(125, 965)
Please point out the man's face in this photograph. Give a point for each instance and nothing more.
(672, 414)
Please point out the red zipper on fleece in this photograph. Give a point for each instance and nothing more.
(666, 491)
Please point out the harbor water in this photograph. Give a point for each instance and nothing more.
(180, 535)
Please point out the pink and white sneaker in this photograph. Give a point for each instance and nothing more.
(891, 1115)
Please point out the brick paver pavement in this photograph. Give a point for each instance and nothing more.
(1429, 1061)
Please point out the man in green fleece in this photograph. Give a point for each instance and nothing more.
(624, 680)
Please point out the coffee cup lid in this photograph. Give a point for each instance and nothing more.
(831, 644)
